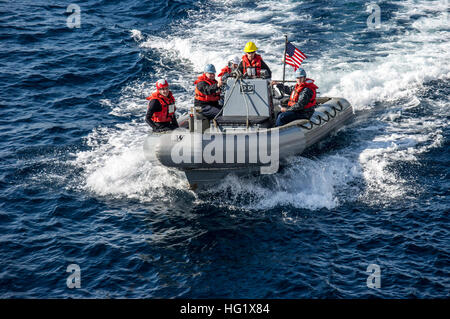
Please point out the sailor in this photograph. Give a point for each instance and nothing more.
(233, 63)
(207, 92)
(161, 108)
(252, 63)
(301, 102)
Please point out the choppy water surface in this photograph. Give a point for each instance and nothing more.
(76, 188)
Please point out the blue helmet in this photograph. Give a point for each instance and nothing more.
(300, 73)
(209, 68)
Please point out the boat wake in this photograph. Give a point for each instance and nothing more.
(386, 83)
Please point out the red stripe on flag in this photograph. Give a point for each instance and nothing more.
(292, 64)
(297, 60)
(301, 53)
(299, 57)
(292, 61)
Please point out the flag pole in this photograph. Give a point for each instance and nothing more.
(284, 56)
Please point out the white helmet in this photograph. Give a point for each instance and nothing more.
(234, 60)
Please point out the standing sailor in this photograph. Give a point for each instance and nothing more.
(161, 108)
(301, 102)
(233, 64)
(252, 63)
(207, 92)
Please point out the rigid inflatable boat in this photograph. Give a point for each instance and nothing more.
(242, 139)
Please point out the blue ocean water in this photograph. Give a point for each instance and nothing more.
(76, 188)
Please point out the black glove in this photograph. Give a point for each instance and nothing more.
(236, 73)
(264, 74)
(284, 101)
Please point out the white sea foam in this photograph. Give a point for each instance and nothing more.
(305, 183)
(115, 164)
(213, 36)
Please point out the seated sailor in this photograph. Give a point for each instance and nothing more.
(252, 63)
(161, 108)
(207, 92)
(301, 102)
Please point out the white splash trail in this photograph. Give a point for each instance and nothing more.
(115, 165)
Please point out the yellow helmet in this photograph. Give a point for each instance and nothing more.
(250, 47)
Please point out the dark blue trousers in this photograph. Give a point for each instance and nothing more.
(210, 111)
(289, 116)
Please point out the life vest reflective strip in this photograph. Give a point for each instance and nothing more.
(255, 63)
(224, 71)
(296, 93)
(204, 97)
(166, 106)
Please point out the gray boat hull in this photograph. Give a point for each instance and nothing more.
(209, 156)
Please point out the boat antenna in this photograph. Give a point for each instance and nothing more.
(284, 56)
(245, 100)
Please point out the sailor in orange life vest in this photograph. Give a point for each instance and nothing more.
(301, 102)
(233, 63)
(207, 92)
(253, 62)
(161, 108)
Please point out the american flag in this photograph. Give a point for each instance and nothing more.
(294, 56)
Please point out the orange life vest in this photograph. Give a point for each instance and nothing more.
(298, 88)
(203, 97)
(224, 71)
(167, 107)
(255, 63)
